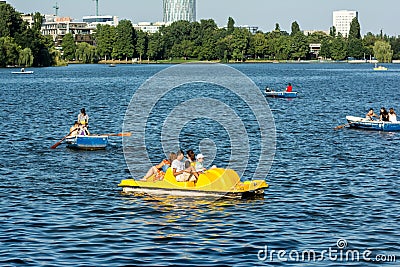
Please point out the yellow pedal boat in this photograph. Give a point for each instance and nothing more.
(213, 182)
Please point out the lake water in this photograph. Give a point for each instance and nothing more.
(63, 207)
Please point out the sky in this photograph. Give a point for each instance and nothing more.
(374, 15)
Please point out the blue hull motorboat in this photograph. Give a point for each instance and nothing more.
(366, 124)
(89, 142)
(283, 94)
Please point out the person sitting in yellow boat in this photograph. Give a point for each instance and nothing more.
(199, 164)
(160, 169)
(191, 159)
(181, 173)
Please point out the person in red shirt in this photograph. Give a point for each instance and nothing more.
(289, 88)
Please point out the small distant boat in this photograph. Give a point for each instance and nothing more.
(23, 71)
(366, 124)
(112, 65)
(212, 183)
(379, 67)
(88, 142)
(282, 94)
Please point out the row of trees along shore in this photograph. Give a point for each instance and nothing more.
(26, 46)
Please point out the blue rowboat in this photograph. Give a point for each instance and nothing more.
(89, 142)
(283, 94)
(366, 124)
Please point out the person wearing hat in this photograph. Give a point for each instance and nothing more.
(83, 118)
(199, 163)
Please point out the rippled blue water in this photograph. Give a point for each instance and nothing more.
(63, 208)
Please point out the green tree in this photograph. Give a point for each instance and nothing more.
(68, 47)
(338, 48)
(383, 51)
(25, 57)
(230, 26)
(332, 31)
(355, 30)
(9, 51)
(258, 45)
(326, 47)
(85, 53)
(175, 34)
(10, 21)
(240, 43)
(355, 48)
(37, 22)
(395, 43)
(105, 38)
(155, 46)
(295, 28)
(124, 46)
(368, 43)
(299, 46)
(141, 44)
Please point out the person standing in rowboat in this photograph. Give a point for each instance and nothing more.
(83, 118)
(392, 115)
(289, 88)
(371, 114)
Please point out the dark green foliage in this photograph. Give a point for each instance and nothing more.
(230, 26)
(355, 48)
(125, 40)
(355, 30)
(10, 21)
(68, 46)
(295, 28)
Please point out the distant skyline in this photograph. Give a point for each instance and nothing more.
(310, 14)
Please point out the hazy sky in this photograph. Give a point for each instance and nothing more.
(374, 15)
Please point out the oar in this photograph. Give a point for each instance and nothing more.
(344, 125)
(59, 142)
(118, 134)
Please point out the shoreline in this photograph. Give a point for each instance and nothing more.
(182, 61)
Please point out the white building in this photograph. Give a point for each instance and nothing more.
(342, 20)
(175, 10)
(92, 21)
(58, 27)
(149, 27)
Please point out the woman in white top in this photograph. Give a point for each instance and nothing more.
(392, 115)
(83, 118)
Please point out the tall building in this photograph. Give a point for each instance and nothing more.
(342, 20)
(175, 10)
